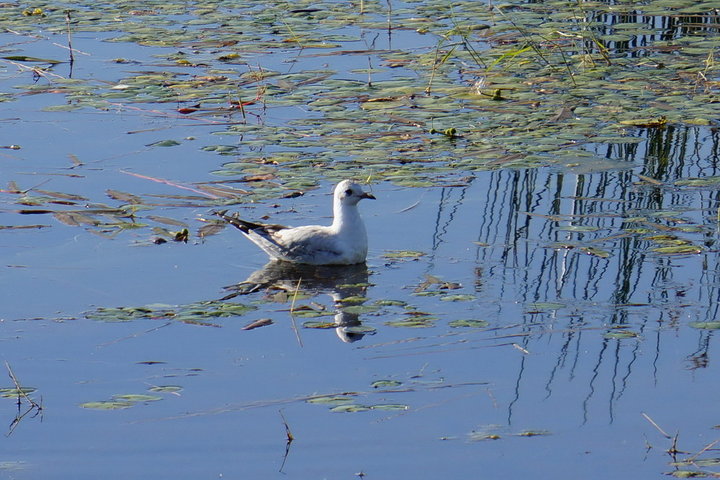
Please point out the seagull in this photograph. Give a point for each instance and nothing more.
(342, 243)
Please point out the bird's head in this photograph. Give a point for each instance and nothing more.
(350, 193)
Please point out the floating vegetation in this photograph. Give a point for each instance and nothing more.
(390, 303)
(403, 255)
(354, 408)
(618, 100)
(107, 405)
(533, 433)
(320, 325)
(480, 436)
(545, 306)
(469, 324)
(127, 400)
(705, 325)
(136, 398)
(413, 322)
(474, 89)
(344, 404)
(457, 298)
(331, 400)
(621, 333)
(198, 313)
(16, 392)
(678, 250)
(596, 252)
(166, 389)
(360, 309)
(385, 383)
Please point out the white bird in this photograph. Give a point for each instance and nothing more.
(342, 243)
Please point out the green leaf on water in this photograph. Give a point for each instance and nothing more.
(545, 306)
(331, 400)
(677, 250)
(621, 334)
(352, 299)
(360, 329)
(533, 433)
(320, 325)
(646, 122)
(350, 408)
(403, 254)
(705, 325)
(468, 324)
(390, 407)
(311, 313)
(578, 228)
(390, 303)
(688, 474)
(595, 252)
(24, 58)
(457, 298)
(165, 389)
(107, 405)
(14, 392)
(415, 322)
(710, 181)
(360, 309)
(136, 398)
(164, 143)
(385, 384)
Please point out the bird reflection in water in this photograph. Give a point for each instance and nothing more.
(340, 282)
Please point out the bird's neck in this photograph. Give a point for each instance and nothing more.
(345, 216)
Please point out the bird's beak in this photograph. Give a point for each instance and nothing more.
(368, 195)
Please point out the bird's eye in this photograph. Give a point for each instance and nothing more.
(348, 192)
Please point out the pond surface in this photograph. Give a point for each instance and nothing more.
(541, 291)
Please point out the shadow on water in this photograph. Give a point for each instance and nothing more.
(341, 283)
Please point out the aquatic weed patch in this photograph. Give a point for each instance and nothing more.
(512, 85)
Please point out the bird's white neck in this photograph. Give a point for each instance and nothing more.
(346, 217)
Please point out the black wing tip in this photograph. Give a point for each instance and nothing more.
(234, 220)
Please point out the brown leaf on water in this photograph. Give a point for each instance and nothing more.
(75, 160)
(258, 323)
(34, 211)
(66, 218)
(563, 113)
(429, 280)
(261, 177)
(658, 122)
(60, 195)
(506, 159)
(211, 229)
(13, 188)
(651, 180)
(294, 194)
(124, 197)
(75, 219)
(167, 221)
(433, 280)
(222, 192)
(22, 227)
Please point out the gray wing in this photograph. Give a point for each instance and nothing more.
(309, 244)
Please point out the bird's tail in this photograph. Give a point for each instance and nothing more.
(237, 222)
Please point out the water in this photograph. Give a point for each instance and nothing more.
(552, 372)
(516, 322)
